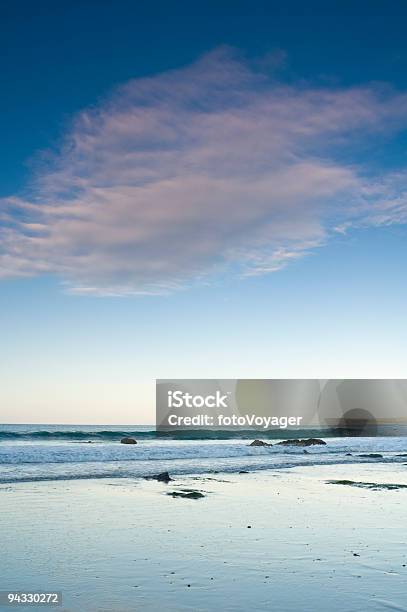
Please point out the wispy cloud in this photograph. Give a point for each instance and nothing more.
(211, 169)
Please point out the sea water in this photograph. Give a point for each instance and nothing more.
(55, 452)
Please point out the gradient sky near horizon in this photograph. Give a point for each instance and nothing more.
(212, 191)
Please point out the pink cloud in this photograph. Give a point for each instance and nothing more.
(196, 172)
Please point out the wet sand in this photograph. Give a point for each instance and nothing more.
(280, 540)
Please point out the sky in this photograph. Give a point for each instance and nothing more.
(214, 191)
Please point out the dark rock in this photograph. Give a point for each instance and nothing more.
(374, 486)
(187, 494)
(296, 442)
(349, 454)
(243, 472)
(259, 443)
(163, 477)
(372, 456)
(128, 441)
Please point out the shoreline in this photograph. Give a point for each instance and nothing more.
(369, 460)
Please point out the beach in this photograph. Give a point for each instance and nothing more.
(278, 539)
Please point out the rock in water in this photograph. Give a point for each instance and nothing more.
(259, 443)
(128, 441)
(187, 495)
(296, 442)
(163, 477)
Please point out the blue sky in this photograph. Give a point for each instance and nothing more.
(217, 193)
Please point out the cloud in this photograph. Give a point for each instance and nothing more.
(212, 169)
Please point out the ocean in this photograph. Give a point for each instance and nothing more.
(30, 453)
